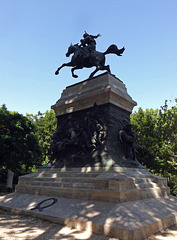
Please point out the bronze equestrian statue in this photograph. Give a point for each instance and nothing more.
(85, 55)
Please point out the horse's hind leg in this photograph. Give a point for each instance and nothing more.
(107, 68)
(95, 71)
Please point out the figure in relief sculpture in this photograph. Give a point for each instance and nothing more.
(129, 142)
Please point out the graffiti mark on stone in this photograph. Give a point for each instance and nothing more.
(43, 204)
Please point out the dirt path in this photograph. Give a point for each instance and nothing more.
(13, 227)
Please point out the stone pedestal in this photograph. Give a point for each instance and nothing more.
(91, 184)
(90, 116)
(103, 89)
(124, 203)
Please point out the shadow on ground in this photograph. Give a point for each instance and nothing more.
(14, 227)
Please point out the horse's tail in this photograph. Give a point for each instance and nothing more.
(114, 49)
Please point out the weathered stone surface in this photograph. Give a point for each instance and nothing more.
(111, 184)
(101, 90)
(111, 201)
(134, 220)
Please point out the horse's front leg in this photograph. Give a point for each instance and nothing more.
(73, 69)
(63, 65)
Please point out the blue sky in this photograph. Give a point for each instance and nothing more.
(35, 35)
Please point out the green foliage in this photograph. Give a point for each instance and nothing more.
(25, 141)
(172, 183)
(45, 125)
(3, 175)
(156, 132)
(20, 149)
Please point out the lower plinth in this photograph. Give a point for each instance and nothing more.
(124, 203)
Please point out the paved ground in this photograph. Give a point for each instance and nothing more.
(13, 227)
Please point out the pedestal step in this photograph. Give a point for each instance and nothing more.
(62, 184)
(97, 194)
(146, 185)
(110, 186)
(73, 174)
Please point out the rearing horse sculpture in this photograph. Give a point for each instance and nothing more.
(95, 58)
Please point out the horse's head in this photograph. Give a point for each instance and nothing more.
(71, 50)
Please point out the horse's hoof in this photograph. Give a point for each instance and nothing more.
(56, 73)
(75, 76)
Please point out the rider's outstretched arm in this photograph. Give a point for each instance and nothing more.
(98, 35)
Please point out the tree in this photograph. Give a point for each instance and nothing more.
(20, 148)
(45, 125)
(156, 132)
